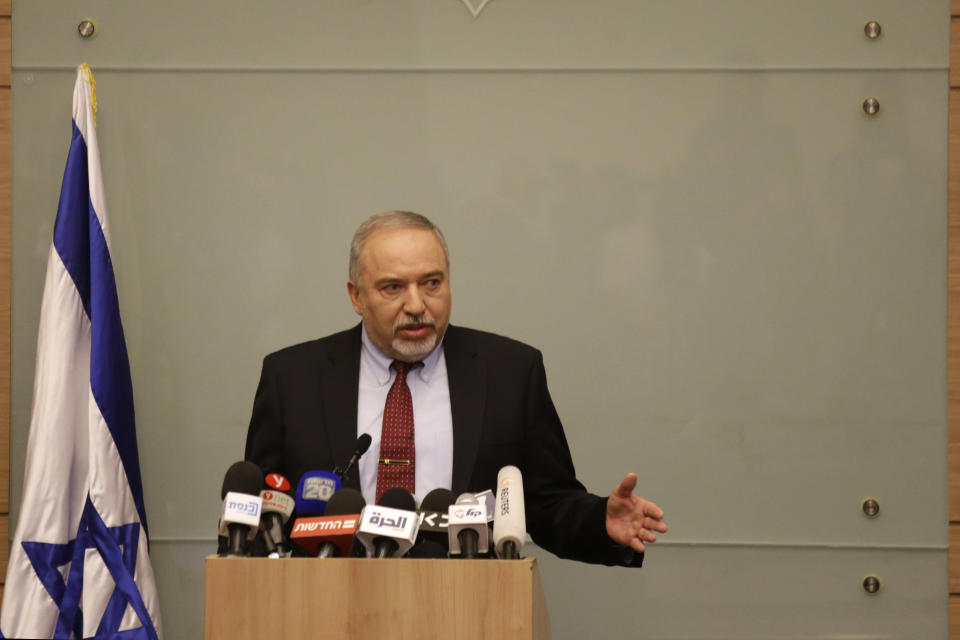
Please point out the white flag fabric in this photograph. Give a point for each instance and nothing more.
(79, 564)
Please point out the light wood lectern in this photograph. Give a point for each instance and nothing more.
(300, 598)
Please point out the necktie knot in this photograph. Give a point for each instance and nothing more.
(403, 368)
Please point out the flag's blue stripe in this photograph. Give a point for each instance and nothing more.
(82, 246)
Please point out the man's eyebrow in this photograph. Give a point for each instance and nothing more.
(433, 274)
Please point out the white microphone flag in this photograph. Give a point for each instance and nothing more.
(79, 564)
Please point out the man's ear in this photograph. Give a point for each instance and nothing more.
(354, 292)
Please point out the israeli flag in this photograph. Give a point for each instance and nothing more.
(79, 564)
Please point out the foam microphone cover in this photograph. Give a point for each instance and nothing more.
(346, 501)
(434, 513)
(363, 443)
(509, 520)
(398, 498)
(242, 477)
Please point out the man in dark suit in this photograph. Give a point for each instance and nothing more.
(479, 402)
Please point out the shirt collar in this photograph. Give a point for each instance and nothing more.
(379, 362)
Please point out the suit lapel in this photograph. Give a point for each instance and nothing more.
(466, 377)
(339, 379)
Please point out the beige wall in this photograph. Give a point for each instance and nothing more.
(5, 129)
(953, 347)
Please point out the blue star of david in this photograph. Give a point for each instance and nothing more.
(118, 548)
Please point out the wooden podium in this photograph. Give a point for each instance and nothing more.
(300, 598)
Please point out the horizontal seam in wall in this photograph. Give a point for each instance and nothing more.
(414, 69)
(675, 543)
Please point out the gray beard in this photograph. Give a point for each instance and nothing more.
(415, 349)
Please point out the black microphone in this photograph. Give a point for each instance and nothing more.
(363, 443)
(346, 502)
(434, 516)
(240, 514)
(389, 529)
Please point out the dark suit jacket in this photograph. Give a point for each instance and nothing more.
(305, 418)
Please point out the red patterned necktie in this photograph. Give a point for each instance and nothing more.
(397, 466)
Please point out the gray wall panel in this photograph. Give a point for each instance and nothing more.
(652, 34)
(774, 593)
(737, 279)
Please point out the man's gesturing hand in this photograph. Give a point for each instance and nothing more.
(631, 520)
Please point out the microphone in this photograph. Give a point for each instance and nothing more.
(314, 490)
(434, 516)
(332, 534)
(389, 529)
(240, 513)
(277, 508)
(363, 443)
(467, 528)
(509, 521)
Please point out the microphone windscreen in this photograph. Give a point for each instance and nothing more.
(467, 498)
(363, 443)
(242, 477)
(509, 519)
(398, 498)
(434, 514)
(345, 502)
(438, 500)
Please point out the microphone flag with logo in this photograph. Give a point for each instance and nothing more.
(79, 564)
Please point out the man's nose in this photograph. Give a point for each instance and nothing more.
(413, 304)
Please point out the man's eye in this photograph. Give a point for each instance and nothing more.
(433, 283)
(391, 288)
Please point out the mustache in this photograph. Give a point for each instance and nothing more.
(422, 320)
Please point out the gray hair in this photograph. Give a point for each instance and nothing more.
(390, 219)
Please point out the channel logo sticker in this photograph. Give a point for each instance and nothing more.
(318, 488)
(249, 507)
(329, 523)
(469, 512)
(277, 481)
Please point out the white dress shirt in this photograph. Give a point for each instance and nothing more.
(432, 418)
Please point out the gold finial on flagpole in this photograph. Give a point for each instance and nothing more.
(93, 90)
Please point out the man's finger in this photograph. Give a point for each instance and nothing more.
(651, 510)
(655, 525)
(626, 486)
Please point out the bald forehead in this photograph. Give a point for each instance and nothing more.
(396, 251)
